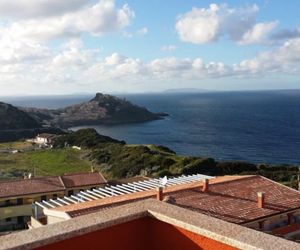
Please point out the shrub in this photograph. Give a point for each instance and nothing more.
(202, 166)
(164, 173)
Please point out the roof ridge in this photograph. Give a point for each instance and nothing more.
(62, 182)
(78, 173)
(101, 175)
(50, 176)
(34, 178)
(278, 183)
(239, 177)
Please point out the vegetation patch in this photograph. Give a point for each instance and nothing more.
(42, 163)
(119, 160)
(115, 159)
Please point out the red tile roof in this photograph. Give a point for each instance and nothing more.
(24, 187)
(236, 201)
(82, 179)
(19, 188)
(79, 209)
(46, 136)
(230, 198)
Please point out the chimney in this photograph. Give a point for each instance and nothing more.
(205, 186)
(261, 199)
(159, 194)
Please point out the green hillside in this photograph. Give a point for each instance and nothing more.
(14, 118)
(43, 163)
(116, 159)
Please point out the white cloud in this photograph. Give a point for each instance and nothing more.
(130, 67)
(285, 59)
(166, 68)
(133, 70)
(258, 33)
(199, 25)
(115, 59)
(31, 66)
(78, 65)
(21, 51)
(204, 25)
(170, 64)
(73, 55)
(75, 64)
(168, 48)
(116, 66)
(286, 34)
(143, 31)
(100, 18)
(22, 9)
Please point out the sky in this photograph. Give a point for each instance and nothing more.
(84, 46)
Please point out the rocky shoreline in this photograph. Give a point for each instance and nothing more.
(102, 109)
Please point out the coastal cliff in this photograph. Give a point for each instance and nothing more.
(21, 123)
(16, 124)
(13, 118)
(102, 109)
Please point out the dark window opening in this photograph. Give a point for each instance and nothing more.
(43, 197)
(20, 201)
(20, 220)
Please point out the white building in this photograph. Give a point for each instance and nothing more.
(44, 138)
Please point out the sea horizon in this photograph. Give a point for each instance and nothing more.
(208, 124)
(163, 92)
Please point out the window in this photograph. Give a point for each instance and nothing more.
(8, 219)
(70, 192)
(7, 203)
(54, 196)
(20, 201)
(20, 219)
(43, 197)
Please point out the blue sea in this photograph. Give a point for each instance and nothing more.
(258, 127)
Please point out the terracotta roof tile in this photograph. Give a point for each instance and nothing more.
(82, 179)
(46, 136)
(20, 188)
(236, 201)
(78, 209)
(230, 198)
